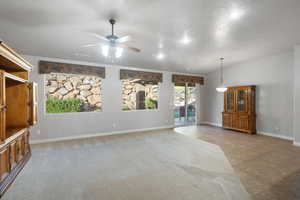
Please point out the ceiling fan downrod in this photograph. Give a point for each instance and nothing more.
(112, 22)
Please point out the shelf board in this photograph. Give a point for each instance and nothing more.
(12, 134)
(14, 78)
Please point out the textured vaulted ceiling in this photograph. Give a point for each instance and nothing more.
(238, 30)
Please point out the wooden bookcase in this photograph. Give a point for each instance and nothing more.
(18, 111)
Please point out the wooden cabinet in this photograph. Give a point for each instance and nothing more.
(18, 110)
(239, 109)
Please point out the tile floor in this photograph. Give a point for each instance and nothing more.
(268, 167)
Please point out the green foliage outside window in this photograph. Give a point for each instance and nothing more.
(125, 107)
(55, 105)
(150, 103)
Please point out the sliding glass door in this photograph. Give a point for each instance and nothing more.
(184, 104)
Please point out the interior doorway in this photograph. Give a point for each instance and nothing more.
(184, 104)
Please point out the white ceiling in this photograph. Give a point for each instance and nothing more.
(238, 30)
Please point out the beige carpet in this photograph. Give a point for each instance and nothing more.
(157, 165)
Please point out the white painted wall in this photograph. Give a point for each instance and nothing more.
(296, 125)
(53, 126)
(273, 76)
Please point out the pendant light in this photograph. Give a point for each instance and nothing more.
(221, 88)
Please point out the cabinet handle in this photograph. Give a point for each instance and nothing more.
(3, 107)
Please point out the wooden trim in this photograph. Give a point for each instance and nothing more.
(153, 77)
(14, 78)
(242, 86)
(16, 133)
(182, 79)
(13, 58)
(46, 67)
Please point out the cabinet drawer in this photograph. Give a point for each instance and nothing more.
(4, 163)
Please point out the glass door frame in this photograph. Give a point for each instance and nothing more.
(186, 104)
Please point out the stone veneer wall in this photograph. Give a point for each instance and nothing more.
(86, 88)
(130, 89)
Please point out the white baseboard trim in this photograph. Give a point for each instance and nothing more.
(259, 132)
(97, 135)
(297, 144)
(275, 135)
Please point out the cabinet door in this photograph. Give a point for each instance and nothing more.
(19, 149)
(243, 122)
(4, 163)
(241, 100)
(227, 120)
(26, 141)
(13, 155)
(230, 100)
(2, 106)
(32, 103)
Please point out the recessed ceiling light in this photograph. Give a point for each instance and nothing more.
(160, 56)
(185, 40)
(160, 45)
(236, 14)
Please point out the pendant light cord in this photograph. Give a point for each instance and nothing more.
(221, 59)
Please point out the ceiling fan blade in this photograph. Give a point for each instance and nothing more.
(130, 48)
(90, 45)
(99, 36)
(123, 39)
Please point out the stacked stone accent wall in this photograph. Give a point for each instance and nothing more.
(130, 89)
(85, 88)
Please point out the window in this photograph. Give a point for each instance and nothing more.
(72, 93)
(138, 95)
(140, 89)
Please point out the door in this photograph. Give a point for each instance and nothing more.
(227, 120)
(191, 105)
(184, 104)
(4, 163)
(33, 105)
(2, 106)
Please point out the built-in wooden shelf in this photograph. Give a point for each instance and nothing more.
(11, 61)
(18, 109)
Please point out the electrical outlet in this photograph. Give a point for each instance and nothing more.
(114, 125)
(38, 131)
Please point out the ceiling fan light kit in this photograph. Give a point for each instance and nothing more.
(113, 46)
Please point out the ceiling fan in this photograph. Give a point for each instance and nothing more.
(113, 42)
